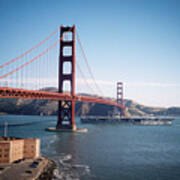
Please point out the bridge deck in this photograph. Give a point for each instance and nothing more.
(6, 92)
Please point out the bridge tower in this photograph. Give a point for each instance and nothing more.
(66, 108)
(120, 99)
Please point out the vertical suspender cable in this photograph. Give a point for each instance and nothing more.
(87, 64)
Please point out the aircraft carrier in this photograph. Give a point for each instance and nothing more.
(145, 120)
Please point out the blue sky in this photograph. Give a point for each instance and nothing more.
(134, 41)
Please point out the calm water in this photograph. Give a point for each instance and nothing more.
(110, 152)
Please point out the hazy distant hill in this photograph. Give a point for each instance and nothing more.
(46, 107)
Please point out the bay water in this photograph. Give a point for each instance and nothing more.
(106, 151)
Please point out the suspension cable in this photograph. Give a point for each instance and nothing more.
(81, 72)
(35, 58)
(84, 78)
(28, 62)
(87, 64)
(34, 47)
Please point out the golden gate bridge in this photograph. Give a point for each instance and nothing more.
(15, 75)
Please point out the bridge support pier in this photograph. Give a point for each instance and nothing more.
(66, 109)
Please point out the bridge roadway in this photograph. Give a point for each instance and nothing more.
(6, 92)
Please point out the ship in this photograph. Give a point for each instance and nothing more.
(137, 120)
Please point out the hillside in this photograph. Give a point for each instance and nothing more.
(47, 107)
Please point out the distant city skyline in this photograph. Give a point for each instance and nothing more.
(134, 41)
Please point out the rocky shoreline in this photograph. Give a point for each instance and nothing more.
(48, 171)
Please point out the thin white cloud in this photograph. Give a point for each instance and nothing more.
(99, 82)
(31, 80)
(153, 84)
(80, 81)
(137, 84)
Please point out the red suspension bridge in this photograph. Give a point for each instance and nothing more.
(16, 78)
